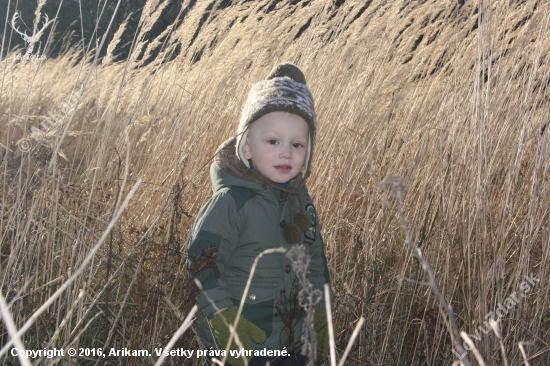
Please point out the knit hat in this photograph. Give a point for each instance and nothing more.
(283, 90)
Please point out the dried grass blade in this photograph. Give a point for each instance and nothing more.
(352, 341)
(12, 331)
(186, 323)
(330, 327)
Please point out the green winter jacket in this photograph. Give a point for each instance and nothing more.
(243, 218)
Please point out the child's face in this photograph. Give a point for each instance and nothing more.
(277, 145)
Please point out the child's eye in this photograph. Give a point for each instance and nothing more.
(272, 142)
(297, 145)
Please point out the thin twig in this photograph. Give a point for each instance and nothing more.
(183, 327)
(396, 185)
(12, 331)
(352, 341)
(330, 327)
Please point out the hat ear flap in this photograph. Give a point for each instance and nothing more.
(306, 164)
(240, 144)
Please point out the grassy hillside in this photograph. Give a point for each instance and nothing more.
(96, 203)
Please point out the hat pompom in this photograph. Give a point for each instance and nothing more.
(303, 220)
(289, 70)
(292, 233)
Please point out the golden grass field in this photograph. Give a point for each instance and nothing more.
(452, 98)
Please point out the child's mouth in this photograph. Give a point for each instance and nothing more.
(283, 168)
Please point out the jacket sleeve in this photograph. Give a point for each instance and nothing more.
(214, 237)
(318, 266)
(319, 271)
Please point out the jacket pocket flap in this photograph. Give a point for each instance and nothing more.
(257, 293)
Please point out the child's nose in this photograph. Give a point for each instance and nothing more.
(286, 153)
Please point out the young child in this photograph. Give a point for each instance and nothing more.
(260, 201)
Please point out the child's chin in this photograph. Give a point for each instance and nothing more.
(276, 178)
(281, 180)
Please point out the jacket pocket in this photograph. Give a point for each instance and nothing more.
(259, 304)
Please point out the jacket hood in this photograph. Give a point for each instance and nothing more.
(229, 170)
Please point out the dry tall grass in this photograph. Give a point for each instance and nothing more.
(452, 98)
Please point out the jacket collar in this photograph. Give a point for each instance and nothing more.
(228, 170)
